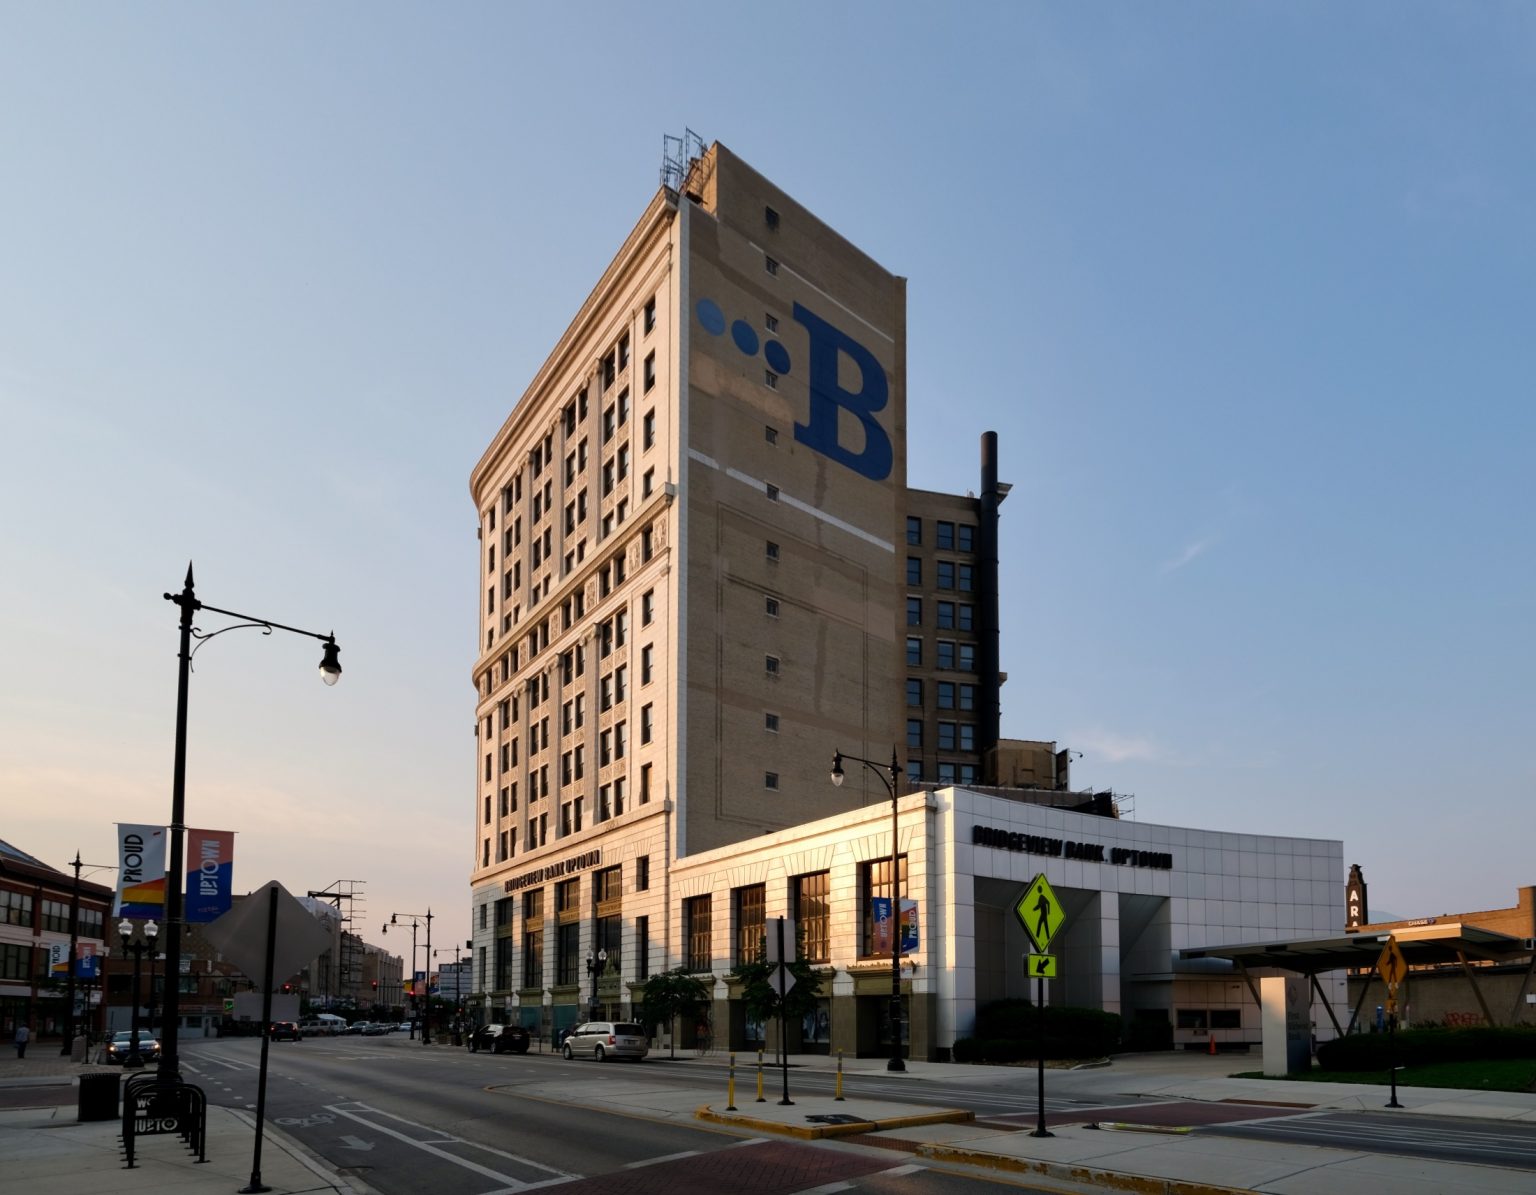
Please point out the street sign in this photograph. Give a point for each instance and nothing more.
(1042, 966)
(1392, 967)
(781, 979)
(1039, 912)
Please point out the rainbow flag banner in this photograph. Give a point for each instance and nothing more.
(141, 872)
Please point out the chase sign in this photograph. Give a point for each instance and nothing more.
(827, 343)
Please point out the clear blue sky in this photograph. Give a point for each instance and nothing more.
(1246, 291)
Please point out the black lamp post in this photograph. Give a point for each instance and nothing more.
(151, 932)
(69, 970)
(596, 965)
(133, 944)
(895, 1064)
(426, 1020)
(330, 672)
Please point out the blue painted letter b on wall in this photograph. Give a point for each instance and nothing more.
(827, 398)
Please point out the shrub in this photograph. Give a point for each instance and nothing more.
(1009, 1031)
(1420, 1047)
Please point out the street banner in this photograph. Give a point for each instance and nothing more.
(210, 874)
(58, 954)
(909, 934)
(880, 939)
(87, 961)
(141, 872)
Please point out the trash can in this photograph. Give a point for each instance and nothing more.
(98, 1096)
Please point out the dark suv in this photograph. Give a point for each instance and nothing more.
(499, 1039)
(286, 1031)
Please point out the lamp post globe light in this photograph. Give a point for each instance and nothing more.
(596, 965)
(895, 1064)
(426, 1020)
(169, 1071)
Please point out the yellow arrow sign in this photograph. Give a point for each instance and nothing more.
(1042, 966)
(1392, 966)
(1039, 912)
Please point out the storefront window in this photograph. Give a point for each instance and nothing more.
(696, 933)
(813, 916)
(751, 922)
(875, 881)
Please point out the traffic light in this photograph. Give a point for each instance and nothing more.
(375, 985)
(287, 988)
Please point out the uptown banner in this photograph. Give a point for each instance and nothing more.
(141, 872)
(85, 965)
(210, 874)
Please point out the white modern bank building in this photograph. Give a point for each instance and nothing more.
(702, 571)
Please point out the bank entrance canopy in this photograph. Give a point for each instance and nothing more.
(1451, 942)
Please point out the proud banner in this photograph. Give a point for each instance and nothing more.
(140, 872)
(210, 874)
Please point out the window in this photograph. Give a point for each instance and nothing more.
(967, 616)
(966, 538)
(944, 535)
(915, 612)
(647, 663)
(770, 218)
(696, 933)
(648, 483)
(533, 939)
(648, 321)
(875, 882)
(946, 620)
(645, 724)
(771, 322)
(648, 430)
(914, 692)
(643, 873)
(771, 434)
(770, 379)
(771, 781)
(647, 607)
(946, 653)
(772, 491)
(771, 723)
(770, 265)
(967, 659)
(946, 773)
(946, 736)
(946, 695)
(645, 784)
(946, 574)
(967, 736)
(642, 948)
(770, 665)
(967, 578)
(650, 371)
(771, 607)
(914, 570)
(813, 915)
(915, 733)
(16, 963)
(915, 651)
(967, 697)
(773, 550)
(914, 530)
(751, 915)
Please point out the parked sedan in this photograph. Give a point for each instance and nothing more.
(120, 1046)
(286, 1031)
(499, 1039)
(606, 1039)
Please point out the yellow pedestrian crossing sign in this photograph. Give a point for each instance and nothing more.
(1039, 912)
(1392, 966)
(1042, 966)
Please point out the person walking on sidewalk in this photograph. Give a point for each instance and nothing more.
(23, 1036)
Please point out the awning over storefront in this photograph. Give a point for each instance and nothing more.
(1422, 945)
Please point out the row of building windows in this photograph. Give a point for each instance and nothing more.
(947, 536)
(948, 574)
(948, 655)
(949, 616)
(809, 901)
(948, 695)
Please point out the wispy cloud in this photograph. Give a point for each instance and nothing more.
(1192, 551)
(1112, 747)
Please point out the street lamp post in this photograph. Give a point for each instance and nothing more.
(69, 970)
(895, 1064)
(596, 965)
(330, 672)
(151, 932)
(426, 1020)
(125, 930)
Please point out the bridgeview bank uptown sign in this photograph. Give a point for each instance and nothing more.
(553, 871)
(1062, 848)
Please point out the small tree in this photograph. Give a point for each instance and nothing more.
(672, 994)
(762, 1002)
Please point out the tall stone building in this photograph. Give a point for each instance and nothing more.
(702, 572)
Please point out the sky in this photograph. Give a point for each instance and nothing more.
(1245, 291)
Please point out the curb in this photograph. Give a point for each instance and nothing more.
(1111, 1180)
(847, 1129)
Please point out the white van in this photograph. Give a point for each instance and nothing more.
(323, 1024)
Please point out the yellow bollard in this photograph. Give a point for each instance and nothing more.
(730, 1086)
(760, 1077)
(839, 1094)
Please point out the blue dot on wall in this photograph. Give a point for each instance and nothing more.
(745, 337)
(777, 356)
(711, 316)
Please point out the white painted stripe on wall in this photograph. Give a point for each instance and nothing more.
(761, 487)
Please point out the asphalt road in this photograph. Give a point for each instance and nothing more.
(405, 1120)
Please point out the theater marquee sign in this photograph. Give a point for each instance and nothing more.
(1062, 848)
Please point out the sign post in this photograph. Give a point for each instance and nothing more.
(1039, 912)
(780, 949)
(1392, 967)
